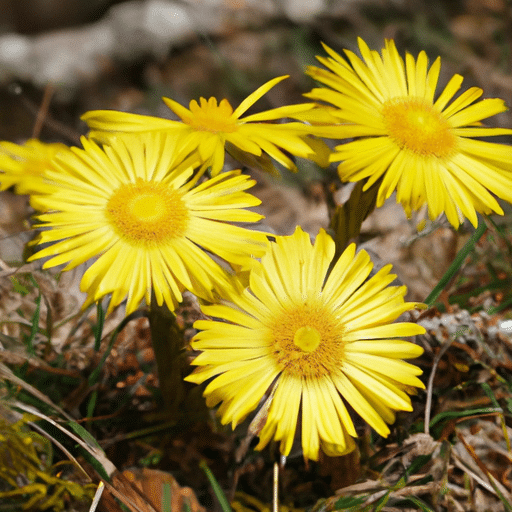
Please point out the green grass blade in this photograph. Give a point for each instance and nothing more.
(457, 263)
(34, 329)
(98, 330)
(166, 497)
(93, 377)
(420, 504)
(219, 493)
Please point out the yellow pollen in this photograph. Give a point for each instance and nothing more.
(414, 124)
(210, 117)
(307, 338)
(148, 213)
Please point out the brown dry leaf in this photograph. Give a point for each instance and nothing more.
(143, 490)
(344, 470)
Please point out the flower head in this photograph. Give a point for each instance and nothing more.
(210, 127)
(129, 205)
(24, 166)
(423, 146)
(325, 340)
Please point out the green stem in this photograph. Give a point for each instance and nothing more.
(167, 340)
(347, 218)
(457, 263)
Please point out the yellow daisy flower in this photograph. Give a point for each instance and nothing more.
(24, 165)
(210, 127)
(150, 227)
(324, 339)
(424, 147)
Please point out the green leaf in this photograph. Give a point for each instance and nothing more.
(419, 503)
(219, 493)
(18, 287)
(348, 502)
(94, 376)
(460, 414)
(98, 328)
(457, 263)
(84, 434)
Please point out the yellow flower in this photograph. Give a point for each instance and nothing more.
(210, 127)
(422, 146)
(24, 166)
(325, 339)
(129, 205)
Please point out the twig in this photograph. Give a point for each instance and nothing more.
(42, 113)
(430, 385)
(275, 489)
(97, 497)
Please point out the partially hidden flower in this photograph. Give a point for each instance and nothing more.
(323, 339)
(144, 219)
(24, 166)
(211, 127)
(423, 146)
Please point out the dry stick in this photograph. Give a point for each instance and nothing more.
(430, 384)
(60, 128)
(42, 113)
(275, 494)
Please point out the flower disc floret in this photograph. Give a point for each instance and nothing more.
(210, 117)
(148, 213)
(322, 341)
(415, 126)
(130, 206)
(424, 147)
(307, 340)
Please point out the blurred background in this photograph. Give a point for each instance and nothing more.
(127, 54)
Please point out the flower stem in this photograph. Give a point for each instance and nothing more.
(347, 218)
(167, 340)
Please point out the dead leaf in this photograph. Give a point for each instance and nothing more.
(143, 490)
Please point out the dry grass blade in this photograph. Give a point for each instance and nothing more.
(493, 486)
(7, 374)
(97, 497)
(96, 452)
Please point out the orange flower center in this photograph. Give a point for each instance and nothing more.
(147, 212)
(415, 124)
(210, 117)
(307, 340)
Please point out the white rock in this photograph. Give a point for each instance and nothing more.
(301, 11)
(68, 57)
(15, 56)
(14, 47)
(130, 30)
(164, 20)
